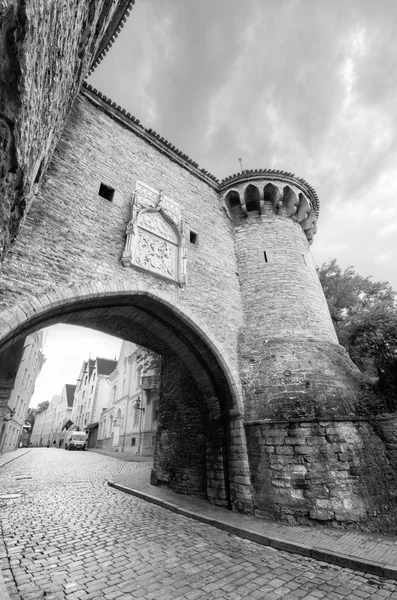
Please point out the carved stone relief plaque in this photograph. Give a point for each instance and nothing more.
(155, 236)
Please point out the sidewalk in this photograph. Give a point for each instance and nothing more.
(371, 553)
(8, 457)
(125, 456)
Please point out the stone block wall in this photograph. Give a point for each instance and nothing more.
(73, 236)
(46, 51)
(290, 360)
(318, 470)
(388, 432)
(182, 428)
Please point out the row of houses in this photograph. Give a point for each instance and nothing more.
(115, 402)
(14, 430)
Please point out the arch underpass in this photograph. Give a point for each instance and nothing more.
(196, 441)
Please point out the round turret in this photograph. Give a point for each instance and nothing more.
(292, 365)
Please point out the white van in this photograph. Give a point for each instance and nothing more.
(76, 440)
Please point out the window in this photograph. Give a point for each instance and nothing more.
(193, 237)
(106, 192)
(132, 441)
(153, 440)
(155, 410)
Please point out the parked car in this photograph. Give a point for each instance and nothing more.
(76, 440)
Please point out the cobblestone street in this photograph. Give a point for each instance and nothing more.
(68, 535)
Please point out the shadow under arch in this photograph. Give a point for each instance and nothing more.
(198, 382)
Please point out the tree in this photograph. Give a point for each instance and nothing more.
(33, 412)
(364, 313)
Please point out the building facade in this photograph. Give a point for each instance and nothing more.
(92, 392)
(11, 428)
(129, 422)
(49, 425)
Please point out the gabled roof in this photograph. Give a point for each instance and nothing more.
(69, 394)
(105, 366)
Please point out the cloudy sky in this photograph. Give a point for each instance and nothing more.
(307, 86)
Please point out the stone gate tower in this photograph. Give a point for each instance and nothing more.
(126, 234)
(306, 440)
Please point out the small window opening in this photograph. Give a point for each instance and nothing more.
(106, 192)
(265, 256)
(304, 259)
(193, 237)
(234, 201)
(132, 441)
(251, 198)
(153, 440)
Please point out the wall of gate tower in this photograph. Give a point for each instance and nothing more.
(74, 236)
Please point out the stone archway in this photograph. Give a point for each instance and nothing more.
(199, 398)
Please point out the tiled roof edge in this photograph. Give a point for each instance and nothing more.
(153, 138)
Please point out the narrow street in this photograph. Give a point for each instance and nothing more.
(67, 534)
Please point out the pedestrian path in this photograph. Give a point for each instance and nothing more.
(8, 457)
(371, 553)
(125, 456)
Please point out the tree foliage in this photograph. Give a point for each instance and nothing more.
(33, 412)
(364, 313)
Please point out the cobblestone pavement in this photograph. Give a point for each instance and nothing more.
(69, 536)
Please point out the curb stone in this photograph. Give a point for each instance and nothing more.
(7, 462)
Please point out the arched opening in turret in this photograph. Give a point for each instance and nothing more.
(252, 198)
(290, 201)
(303, 209)
(271, 193)
(233, 202)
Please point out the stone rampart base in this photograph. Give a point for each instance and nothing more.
(388, 432)
(305, 471)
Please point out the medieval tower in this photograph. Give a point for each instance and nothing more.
(106, 224)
